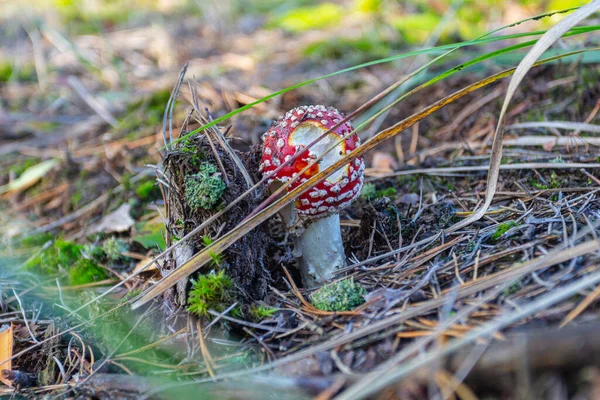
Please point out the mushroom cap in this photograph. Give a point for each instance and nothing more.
(292, 133)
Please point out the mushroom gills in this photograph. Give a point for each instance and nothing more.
(306, 133)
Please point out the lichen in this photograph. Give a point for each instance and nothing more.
(114, 248)
(339, 296)
(204, 188)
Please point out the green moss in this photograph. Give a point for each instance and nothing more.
(260, 312)
(370, 192)
(60, 256)
(24, 73)
(537, 184)
(194, 156)
(36, 240)
(503, 228)
(80, 187)
(339, 296)
(217, 259)
(212, 291)
(204, 188)
(555, 181)
(69, 257)
(86, 271)
(147, 190)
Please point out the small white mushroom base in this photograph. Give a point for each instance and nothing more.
(320, 251)
(182, 254)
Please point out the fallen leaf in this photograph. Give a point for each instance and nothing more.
(383, 161)
(6, 351)
(117, 221)
(142, 263)
(29, 177)
(150, 235)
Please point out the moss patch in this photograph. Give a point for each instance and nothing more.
(86, 271)
(502, 229)
(212, 291)
(339, 296)
(69, 257)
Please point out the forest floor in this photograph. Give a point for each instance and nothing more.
(491, 310)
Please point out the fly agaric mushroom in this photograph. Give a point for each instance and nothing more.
(314, 216)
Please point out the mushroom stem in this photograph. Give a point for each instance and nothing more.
(320, 251)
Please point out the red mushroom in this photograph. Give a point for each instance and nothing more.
(319, 247)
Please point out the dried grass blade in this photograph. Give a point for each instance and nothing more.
(590, 298)
(579, 126)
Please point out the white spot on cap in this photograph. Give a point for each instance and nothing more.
(343, 182)
(336, 121)
(293, 118)
(288, 158)
(320, 114)
(267, 163)
(294, 124)
(276, 162)
(330, 200)
(323, 208)
(280, 143)
(304, 202)
(301, 111)
(267, 151)
(283, 124)
(324, 121)
(336, 188)
(317, 203)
